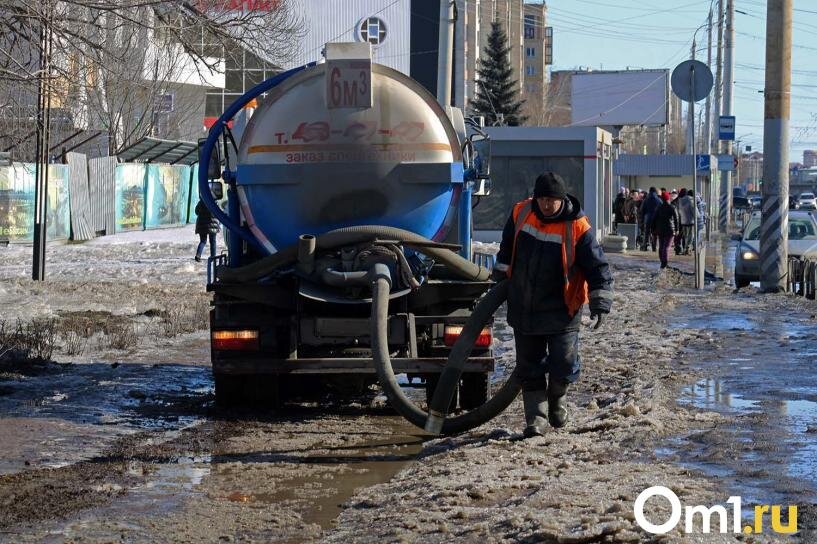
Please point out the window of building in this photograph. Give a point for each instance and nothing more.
(372, 30)
(530, 70)
(548, 45)
(530, 51)
(530, 27)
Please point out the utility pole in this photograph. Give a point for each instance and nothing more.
(728, 87)
(774, 226)
(718, 77)
(707, 136)
(717, 190)
(445, 52)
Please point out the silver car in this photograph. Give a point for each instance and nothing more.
(802, 243)
(807, 201)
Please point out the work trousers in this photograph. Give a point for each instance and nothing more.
(538, 356)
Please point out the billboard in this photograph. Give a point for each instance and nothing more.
(632, 97)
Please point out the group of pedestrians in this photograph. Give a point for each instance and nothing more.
(665, 219)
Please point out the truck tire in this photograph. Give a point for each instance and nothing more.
(432, 380)
(475, 390)
(247, 391)
(741, 281)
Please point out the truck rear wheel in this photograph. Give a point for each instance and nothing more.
(254, 391)
(475, 390)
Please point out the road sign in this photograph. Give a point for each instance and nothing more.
(727, 163)
(691, 80)
(726, 127)
(702, 163)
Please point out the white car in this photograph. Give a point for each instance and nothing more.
(802, 243)
(807, 201)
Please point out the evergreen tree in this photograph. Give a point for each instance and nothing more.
(497, 92)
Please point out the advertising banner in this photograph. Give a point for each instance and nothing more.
(130, 196)
(168, 190)
(17, 203)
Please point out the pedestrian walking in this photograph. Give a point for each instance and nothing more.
(618, 208)
(554, 265)
(647, 211)
(665, 225)
(207, 227)
(686, 216)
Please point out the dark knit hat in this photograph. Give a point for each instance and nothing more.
(551, 185)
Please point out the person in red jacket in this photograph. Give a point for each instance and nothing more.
(554, 265)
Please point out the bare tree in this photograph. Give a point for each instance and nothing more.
(114, 60)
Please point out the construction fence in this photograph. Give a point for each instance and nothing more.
(88, 198)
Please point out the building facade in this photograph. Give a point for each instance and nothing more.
(809, 158)
(538, 43)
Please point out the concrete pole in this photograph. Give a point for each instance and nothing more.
(774, 226)
(445, 52)
(728, 88)
(715, 189)
(707, 136)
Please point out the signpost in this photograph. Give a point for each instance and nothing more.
(726, 127)
(692, 81)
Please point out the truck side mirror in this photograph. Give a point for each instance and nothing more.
(214, 168)
(482, 156)
(217, 190)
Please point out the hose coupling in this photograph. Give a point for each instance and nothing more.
(434, 422)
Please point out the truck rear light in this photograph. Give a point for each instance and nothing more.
(235, 340)
(452, 332)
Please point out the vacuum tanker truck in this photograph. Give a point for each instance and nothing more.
(348, 237)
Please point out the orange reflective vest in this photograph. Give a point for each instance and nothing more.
(566, 233)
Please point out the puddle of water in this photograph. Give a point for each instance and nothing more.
(772, 450)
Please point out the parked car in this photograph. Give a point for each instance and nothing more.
(807, 201)
(793, 204)
(802, 243)
(756, 202)
(740, 202)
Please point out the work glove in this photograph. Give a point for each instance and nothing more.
(598, 315)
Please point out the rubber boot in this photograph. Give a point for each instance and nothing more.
(557, 412)
(535, 403)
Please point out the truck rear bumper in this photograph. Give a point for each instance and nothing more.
(261, 365)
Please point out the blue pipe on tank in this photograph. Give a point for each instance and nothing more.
(233, 221)
(465, 221)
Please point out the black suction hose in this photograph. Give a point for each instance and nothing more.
(488, 304)
(353, 235)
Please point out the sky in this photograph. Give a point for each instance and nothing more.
(616, 34)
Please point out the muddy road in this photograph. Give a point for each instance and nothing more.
(709, 394)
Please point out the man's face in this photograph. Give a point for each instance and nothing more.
(549, 205)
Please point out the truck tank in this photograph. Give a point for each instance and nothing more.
(305, 168)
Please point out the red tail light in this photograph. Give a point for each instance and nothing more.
(452, 332)
(235, 340)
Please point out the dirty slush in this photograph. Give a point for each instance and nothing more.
(119, 440)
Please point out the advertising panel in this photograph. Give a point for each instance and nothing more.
(632, 97)
(130, 196)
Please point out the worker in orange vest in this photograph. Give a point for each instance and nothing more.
(555, 265)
